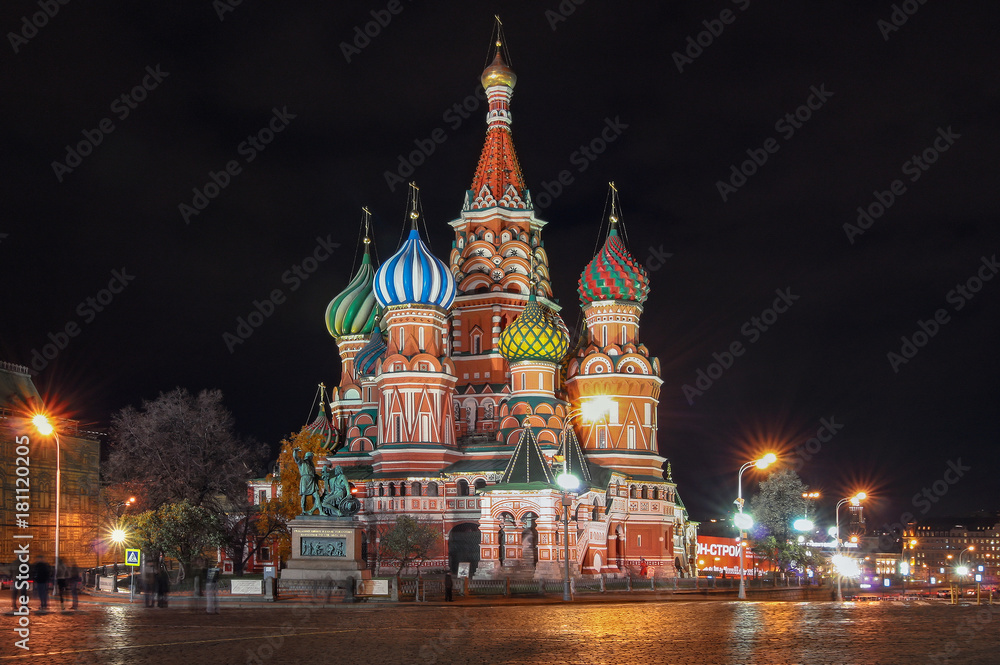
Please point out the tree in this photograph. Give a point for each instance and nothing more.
(776, 505)
(180, 447)
(179, 530)
(410, 541)
(246, 528)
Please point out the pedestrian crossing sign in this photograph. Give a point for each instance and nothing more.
(131, 557)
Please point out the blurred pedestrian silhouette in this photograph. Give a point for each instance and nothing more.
(61, 573)
(212, 591)
(75, 580)
(148, 584)
(42, 576)
(448, 584)
(162, 586)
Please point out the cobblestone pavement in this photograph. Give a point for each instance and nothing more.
(697, 632)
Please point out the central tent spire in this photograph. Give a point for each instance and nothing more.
(498, 170)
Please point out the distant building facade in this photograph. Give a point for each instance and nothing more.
(80, 466)
(934, 548)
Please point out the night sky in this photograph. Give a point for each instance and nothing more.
(839, 106)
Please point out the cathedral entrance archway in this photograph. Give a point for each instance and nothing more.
(463, 545)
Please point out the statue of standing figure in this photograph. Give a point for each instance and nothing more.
(308, 485)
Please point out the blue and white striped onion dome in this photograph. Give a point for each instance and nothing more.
(414, 276)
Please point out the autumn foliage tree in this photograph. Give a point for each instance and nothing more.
(179, 530)
(286, 507)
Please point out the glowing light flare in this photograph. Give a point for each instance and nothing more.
(118, 535)
(42, 424)
(568, 481)
(803, 525)
(846, 566)
(743, 521)
(766, 461)
(596, 408)
(962, 570)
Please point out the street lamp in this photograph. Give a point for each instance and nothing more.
(854, 501)
(45, 428)
(744, 522)
(569, 483)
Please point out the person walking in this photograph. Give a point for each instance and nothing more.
(61, 573)
(448, 584)
(42, 577)
(212, 591)
(75, 580)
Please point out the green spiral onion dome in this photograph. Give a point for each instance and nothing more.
(353, 312)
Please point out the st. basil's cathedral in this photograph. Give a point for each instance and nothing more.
(463, 394)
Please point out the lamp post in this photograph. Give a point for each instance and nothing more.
(744, 522)
(854, 501)
(568, 482)
(590, 410)
(45, 428)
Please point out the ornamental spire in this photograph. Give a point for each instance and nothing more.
(498, 170)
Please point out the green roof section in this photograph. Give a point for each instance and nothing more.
(527, 464)
(574, 462)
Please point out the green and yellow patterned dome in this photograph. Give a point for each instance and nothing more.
(353, 312)
(536, 334)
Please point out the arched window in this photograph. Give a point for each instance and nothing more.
(402, 489)
(480, 484)
(392, 489)
(477, 343)
(432, 489)
(631, 492)
(463, 487)
(645, 493)
(604, 336)
(656, 493)
(595, 514)
(381, 489)
(417, 489)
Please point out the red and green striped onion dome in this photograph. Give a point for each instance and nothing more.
(536, 334)
(613, 275)
(353, 311)
(321, 427)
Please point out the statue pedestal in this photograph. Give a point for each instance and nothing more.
(325, 548)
